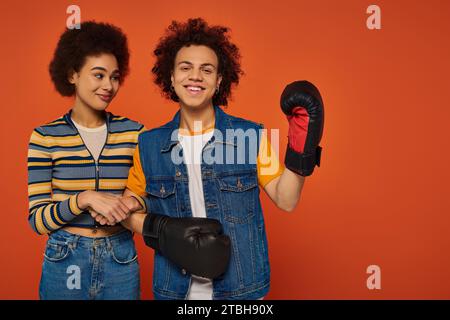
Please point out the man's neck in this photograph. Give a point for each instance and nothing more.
(197, 120)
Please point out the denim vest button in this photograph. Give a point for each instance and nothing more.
(178, 173)
(239, 184)
(183, 271)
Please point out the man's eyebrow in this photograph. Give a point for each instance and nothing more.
(203, 65)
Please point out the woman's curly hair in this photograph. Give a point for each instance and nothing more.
(197, 32)
(74, 45)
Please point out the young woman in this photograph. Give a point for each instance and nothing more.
(218, 177)
(79, 163)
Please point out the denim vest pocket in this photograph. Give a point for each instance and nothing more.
(162, 195)
(238, 192)
(56, 251)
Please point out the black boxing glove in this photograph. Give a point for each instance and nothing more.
(303, 106)
(197, 245)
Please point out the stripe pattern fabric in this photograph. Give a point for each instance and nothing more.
(60, 167)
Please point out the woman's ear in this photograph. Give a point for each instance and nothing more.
(72, 76)
(219, 80)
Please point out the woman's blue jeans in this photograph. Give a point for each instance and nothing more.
(83, 268)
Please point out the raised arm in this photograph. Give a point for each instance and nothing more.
(302, 103)
(285, 190)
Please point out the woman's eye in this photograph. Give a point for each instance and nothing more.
(98, 76)
(115, 78)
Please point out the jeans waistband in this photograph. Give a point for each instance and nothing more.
(75, 240)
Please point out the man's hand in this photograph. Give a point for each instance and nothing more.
(130, 202)
(196, 244)
(109, 205)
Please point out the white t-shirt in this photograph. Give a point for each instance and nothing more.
(201, 288)
(93, 138)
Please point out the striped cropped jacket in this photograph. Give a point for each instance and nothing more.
(60, 167)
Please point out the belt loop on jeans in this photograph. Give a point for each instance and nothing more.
(74, 241)
(109, 244)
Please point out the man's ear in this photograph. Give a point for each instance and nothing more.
(219, 80)
(72, 76)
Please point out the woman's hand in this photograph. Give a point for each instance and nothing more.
(109, 206)
(99, 218)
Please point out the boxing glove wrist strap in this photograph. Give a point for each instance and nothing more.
(302, 163)
(153, 224)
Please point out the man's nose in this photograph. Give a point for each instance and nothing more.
(196, 75)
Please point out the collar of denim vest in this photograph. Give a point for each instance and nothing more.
(68, 119)
(222, 123)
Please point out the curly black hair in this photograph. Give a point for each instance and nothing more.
(197, 32)
(75, 45)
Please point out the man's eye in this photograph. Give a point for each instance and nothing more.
(185, 68)
(208, 71)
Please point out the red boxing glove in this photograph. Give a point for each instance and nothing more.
(298, 128)
(302, 103)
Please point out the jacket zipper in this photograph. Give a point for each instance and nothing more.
(96, 225)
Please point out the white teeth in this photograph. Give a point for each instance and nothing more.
(194, 88)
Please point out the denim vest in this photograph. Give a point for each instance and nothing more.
(231, 196)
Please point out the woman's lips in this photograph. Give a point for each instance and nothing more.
(105, 97)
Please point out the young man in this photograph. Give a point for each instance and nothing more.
(181, 171)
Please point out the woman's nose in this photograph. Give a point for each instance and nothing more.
(107, 84)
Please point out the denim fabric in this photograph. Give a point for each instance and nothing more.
(231, 195)
(82, 268)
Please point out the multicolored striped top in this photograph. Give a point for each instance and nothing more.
(60, 167)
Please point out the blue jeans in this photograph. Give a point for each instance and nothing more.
(83, 268)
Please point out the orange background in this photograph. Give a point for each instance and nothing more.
(381, 195)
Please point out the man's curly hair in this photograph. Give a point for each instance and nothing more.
(93, 38)
(197, 32)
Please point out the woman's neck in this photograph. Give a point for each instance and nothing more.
(86, 116)
(197, 120)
